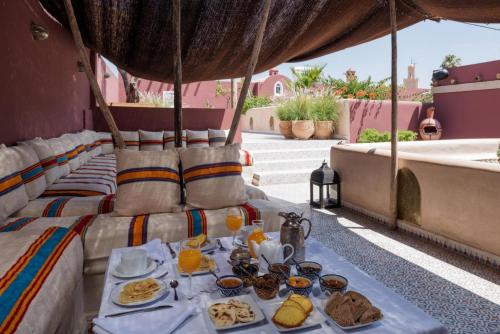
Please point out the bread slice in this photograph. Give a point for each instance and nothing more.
(289, 316)
(342, 314)
(305, 302)
(370, 315)
(293, 303)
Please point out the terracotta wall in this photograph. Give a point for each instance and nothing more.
(467, 109)
(156, 119)
(42, 92)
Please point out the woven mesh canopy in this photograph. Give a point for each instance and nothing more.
(218, 35)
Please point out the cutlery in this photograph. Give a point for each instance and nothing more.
(174, 284)
(151, 309)
(221, 247)
(172, 252)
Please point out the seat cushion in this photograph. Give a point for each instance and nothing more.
(71, 151)
(131, 139)
(61, 158)
(246, 158)
(68, 206)
(32, 171)
(106, 142)
(151, 141)
(197, 138)
(13, 194)
(169, 139)
(47, 158)
(213, 177)
(217, 138)
(148, 182)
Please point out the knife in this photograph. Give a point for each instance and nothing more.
(151, 309)
(172, 252)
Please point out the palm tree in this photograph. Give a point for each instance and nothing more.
(451, 61)
(305, 79)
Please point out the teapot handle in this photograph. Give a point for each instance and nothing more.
(308, 223)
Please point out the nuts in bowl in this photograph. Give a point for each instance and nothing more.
(279, 270)
(266, 286)
(299, 285)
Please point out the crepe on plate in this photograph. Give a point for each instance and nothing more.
(138, 291)
(230, 313)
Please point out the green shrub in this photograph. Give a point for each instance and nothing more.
(296, 108)
(325, 108)
(375, 136)
(255, 102)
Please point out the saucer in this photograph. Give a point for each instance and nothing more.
(152, 265)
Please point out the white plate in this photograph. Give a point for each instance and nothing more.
(115, 294)
(245, 299)
(315, 318)
(209, 245)
(199, 272)
(152, 265)
(334, 323)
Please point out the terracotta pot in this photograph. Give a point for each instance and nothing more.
(303, 129)
(286, 129)
(323, 129)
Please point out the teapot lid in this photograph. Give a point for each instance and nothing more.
(291, 219)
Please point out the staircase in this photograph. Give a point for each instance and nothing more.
(280, 161)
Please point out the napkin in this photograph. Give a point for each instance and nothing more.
(154, 249)
(163, 321)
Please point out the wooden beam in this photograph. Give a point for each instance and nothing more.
(75, 30)
(250, 69)
(176, 20)
(394, 117)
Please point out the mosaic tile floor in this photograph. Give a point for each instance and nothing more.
(461, 293)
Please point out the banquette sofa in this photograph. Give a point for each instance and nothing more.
(58, 223)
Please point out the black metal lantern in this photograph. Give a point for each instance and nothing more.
(325, 177)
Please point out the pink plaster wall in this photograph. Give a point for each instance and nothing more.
(365, 114)
(470, 114)
(157, 119)
(42, 92)
(266, 87)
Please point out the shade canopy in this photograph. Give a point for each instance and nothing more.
(218, 35)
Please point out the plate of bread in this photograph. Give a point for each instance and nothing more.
(138, 292)
(297, 312)
(206, 244)
(350, 310)
(233, 312)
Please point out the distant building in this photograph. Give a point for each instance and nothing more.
(274, 85)
(410, 90)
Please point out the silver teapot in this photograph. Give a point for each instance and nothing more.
(292, 232)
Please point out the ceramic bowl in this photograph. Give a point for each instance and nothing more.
(247, 280)
(342, 283)
(301, 290)
(281, 275)
(307, 267)
(229, 291)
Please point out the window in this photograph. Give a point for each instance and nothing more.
(278, 89)
(168, 98)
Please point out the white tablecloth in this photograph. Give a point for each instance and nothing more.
(400, 316)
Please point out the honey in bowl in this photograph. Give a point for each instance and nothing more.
(229, 283)
(299, 282)
(333, 283)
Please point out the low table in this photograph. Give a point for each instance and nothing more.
(400, 316)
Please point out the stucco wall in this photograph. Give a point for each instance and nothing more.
(157, 119)
(262, 119)
(42, 92)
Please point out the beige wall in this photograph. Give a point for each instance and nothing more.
(459, 198)
(260, 120)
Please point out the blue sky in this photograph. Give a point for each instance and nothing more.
(425, 43)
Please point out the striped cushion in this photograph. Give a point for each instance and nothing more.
(71, 151)
(213, 177)
(217, 138)
(197, 138)
(68, 206)
(95, 142)
(47, 158)
(151, 141)
(246, 158)
(106, 142)
(13, 194)
(148, 182)
(169, 139)
(83, 143)
(61, 157)
(32, 171)
(131, 139)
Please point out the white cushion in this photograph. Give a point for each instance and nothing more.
(131, 139)
(47, 158)
(60, 154)
(106, 142)
(13, 194)
(151, 140)
(217, 138)
(197, 138)
(31, 171)
(169, 139)
(71, 151)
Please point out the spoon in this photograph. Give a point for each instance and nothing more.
(221, 247)
(174, 284)
(265, 259)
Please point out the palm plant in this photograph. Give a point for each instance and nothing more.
(306, 79)
(451, 61)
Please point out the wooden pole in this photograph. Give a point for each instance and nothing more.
(394, 117)
(251, 67)
(176, 20)
(75, 30)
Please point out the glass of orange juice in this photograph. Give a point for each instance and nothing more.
(189, 259)
(234, 223)
(257, 235)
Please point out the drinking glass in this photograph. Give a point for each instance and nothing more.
(257, 235)
(234, 223)
(189, 259)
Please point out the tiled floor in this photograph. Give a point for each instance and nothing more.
(458, 291)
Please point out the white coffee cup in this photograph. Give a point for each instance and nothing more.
(133, 262)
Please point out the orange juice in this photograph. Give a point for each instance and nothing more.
(233, 223)
(258, 236)
(189, 260)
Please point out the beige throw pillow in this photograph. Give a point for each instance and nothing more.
(148, 182)
(213, 177)
(151, 140)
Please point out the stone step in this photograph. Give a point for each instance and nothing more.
(281, 177)
(291, 154)
(289, 144)
(277, 165)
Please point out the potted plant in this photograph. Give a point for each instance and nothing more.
(326, 111)
(286, 116)
(303, 125)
